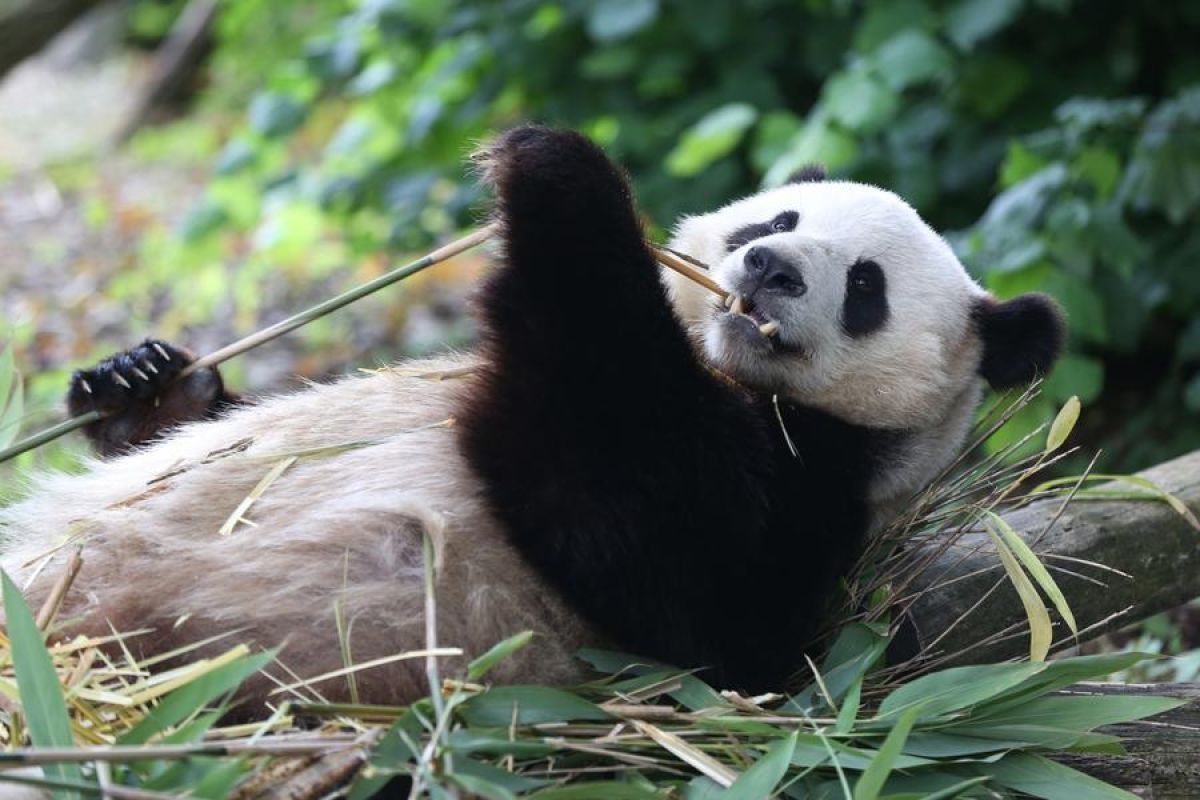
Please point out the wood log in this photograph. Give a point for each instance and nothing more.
(1163, 760)
(1157, 548)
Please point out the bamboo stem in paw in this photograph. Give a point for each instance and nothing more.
(672, 261)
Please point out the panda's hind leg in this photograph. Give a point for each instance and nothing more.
(140, 395)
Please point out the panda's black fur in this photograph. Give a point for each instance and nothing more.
(665, 504)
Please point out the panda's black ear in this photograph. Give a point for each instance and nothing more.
(1021, 338)
(809, 173)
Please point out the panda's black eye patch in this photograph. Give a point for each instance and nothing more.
(865, 309)
(781, 223)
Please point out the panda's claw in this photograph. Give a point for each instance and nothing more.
(120, 379)
(140, 373)
(162, 352)
(87, 387)
(146, 363)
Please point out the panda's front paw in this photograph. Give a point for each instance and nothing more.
(559, 184)
(138, 392)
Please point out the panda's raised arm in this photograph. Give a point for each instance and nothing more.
(579, 289)
(618, 465)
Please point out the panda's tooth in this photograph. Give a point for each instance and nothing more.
(729, 298)
(769, 329)
(736, 307)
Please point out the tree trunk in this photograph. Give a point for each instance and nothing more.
(1163, 760)
(1154, 544)
(26, 26)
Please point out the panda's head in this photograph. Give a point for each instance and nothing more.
(842, 298)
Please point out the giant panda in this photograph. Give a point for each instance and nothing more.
(626, 461)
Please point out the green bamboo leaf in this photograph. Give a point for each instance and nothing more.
(478, 787)
(760, 780)
(1063, 424)
(1081, 712)
(482, 665)
(597, 790)
(499, 782)
(1035, 610)
(1041, 777)
(37, 684)
(1035, 568)
(531, 704)
(957, 688)
(913, 789)
(871, 781)
(849, 710)
(195, 695)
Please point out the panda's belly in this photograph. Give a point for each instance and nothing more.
(369, 468)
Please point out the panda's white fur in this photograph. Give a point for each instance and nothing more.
(918, 374)
(378, 468)
(337, 527)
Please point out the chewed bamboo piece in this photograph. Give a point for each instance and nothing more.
(444, 253)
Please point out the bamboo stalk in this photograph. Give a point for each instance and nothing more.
(444, 253)
(24, 756)
(272, 332)
(672, 261)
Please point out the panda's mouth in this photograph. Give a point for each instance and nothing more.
(740, 305)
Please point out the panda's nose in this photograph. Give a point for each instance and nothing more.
(771, 272)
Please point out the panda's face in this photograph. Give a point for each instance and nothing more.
(841, 298)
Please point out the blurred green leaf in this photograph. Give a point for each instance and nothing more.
(609, 20)
(12, 398)
(968, 22)
(911, 57)
(761, 778)
(272, 114)
(711, 138)
(860, 100)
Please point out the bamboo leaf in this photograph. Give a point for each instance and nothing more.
(41, 694)
(532, 704)
(760, 780)
(849, 711)
(1080, 712)
(871, 781)
(1064, 423)
(597, 790)
(957, 688)
(482, 665)
(1041, 777)
(194, 695)
(1035, 610)
(1035, 568)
